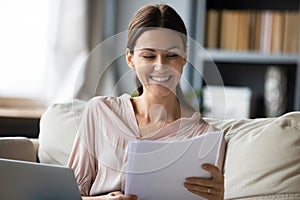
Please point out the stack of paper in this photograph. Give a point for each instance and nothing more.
(157, 169)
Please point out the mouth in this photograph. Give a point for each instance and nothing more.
(160, 79)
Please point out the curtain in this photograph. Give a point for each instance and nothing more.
(77, 27)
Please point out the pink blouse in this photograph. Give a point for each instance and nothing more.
(99, 155)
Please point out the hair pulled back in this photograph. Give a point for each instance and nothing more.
(151, 17)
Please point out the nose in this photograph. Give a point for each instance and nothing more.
(159, 67)
(161, 63)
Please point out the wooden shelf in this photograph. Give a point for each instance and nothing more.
(17, 112)
(20, 121)
(21, 108)
(250, 57)
(254, 4)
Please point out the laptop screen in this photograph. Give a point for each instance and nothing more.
(36, 181)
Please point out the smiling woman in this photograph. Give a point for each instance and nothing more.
(156, 51)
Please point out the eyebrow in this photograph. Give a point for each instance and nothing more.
(148, 49)
(153, 49)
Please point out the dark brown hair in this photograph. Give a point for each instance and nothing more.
(155, 16)
(151, 17)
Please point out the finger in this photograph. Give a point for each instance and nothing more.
(129, 197)
(211, 187)
(123, 197)
(208, 193)
(120, 195)
(116, 193)
(213, 169)
(218, 178)
(200, 181)
(204, 194)
(216, 173)
(196, 187)
(207, 183)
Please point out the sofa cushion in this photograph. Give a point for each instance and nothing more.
(17, 148)
(58, 127)
(262, 158)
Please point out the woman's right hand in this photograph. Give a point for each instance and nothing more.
(112, 196)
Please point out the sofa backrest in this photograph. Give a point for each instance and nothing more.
(58, 127)
(262, 157)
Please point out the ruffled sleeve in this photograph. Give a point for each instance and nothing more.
(81, 160)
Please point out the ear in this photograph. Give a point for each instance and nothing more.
(185, 55)
(129, 59)
(184, 59)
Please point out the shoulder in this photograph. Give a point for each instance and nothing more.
(203, 124)
(100, 102)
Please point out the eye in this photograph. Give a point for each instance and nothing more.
(148, 57)
(171, 56)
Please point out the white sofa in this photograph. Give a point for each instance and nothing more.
(262, 158)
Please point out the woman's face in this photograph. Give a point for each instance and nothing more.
(158, 58)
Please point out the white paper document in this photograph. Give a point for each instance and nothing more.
(157, 169)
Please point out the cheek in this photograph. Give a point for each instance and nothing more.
(142, 73)
(178, 68)
(178, 76)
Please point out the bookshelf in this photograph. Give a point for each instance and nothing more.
(251, 57)
(246, 38)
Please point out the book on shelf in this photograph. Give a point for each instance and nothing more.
(256, 33)
(212, 29)
(243, 36)
(267, 31)
(277, 32)
(291, 32)
(229, 30)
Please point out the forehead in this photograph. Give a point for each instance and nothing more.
(159, 38)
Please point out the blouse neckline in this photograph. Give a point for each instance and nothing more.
(171, 129)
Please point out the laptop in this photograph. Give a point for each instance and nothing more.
(36, 181)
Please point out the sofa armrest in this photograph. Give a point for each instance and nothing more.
(36, 145)
(18, 148)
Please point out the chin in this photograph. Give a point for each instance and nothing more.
(161, 91)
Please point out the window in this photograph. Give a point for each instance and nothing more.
(23, 49)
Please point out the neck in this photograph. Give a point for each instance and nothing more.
(154, 109)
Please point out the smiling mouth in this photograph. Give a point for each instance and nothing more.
(160, 78)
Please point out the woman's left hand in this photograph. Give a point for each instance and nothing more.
(209, 188)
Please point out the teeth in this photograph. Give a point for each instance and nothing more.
(160, 79)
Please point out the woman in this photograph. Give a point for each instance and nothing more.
(156, 50)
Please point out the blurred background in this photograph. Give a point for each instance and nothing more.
(253, 46)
